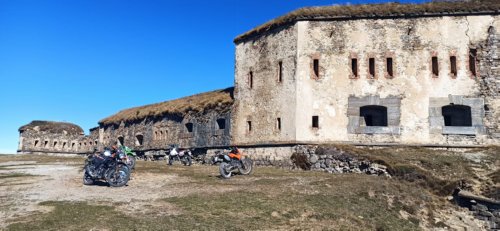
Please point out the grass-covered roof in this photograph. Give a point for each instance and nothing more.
(376, 10)
(52, 127)
(214, 100)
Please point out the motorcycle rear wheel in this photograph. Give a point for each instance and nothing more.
(223, 172)
(118, 176)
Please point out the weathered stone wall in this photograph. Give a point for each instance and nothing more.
(261, 97)
(32, 141)
(323, 83)
(156, 135)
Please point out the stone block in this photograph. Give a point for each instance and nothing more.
(456, 99)
(459, 130)
(436, 121)
(438, 101)
(435, 112)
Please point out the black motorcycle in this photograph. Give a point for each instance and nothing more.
(229, 165)
(108, 167)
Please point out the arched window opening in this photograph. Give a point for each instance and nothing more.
(64, 145)
(55, 144)
(189, 127)
(45, 144)
(36, 143)
(121, 141)
(374, 115)
(457, 115)
(138, 140)
(221, 123)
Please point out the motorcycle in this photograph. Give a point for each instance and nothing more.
(131, 157)
(108, 167)
(229, 165)
(184, 156)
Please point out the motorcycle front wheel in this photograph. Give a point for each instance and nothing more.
(87, 179)
(246, 166)
(223, 169)
(118, 176)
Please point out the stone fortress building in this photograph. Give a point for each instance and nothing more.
(382, 74)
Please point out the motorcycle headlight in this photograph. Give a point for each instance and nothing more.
(107, 153)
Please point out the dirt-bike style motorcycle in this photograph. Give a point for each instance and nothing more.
(184, 156)
(108, 167)
(229, 166)
(131, 157)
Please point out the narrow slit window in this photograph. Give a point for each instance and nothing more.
(354, 67)
(249, 126)
(36, 143)
(189, 127)
(472, 61)
(55, 143)
(371, 67)
(64, 145)
(435, 66)
(278, 124)
(315, 121)
(316, 67)
(390, 66)
(250, 79)
(280, 71)
(45, 144)
(453, 66)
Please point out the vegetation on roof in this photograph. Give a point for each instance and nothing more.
(220, 100)
(52, 127)
(375, 10)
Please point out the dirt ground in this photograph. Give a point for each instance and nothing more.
(274, 198)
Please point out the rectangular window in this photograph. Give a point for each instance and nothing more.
(315, 121)
(371, 67)
(221, 123)
(280, 71)
(389, 64)
(472, 61)
(453, 66)
(249, 126)
(435, 67)
(316, 67)
(354, 67)
(278, 124)
(250, 79)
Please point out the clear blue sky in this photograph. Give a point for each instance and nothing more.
(82, 60)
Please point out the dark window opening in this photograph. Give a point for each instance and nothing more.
(55, 143)
(472, 61)
(315, 121)
(64, 145)
(85, 144)
(354, 67)
(389, 64)
(249, 126)
(45, 144)
(250, 79)
(316, 67)
(121, 141)
(73, 145)
(221, 123)
(95, 142)
(36, 143)
(156, 135)
(79, 144)
(278, 123)
(280, 71)
(189, 127)
(435, 67)
(139, 139)
(371, 67)
(161, 135)
(453, 66)
(374, 115)
(457, 115)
